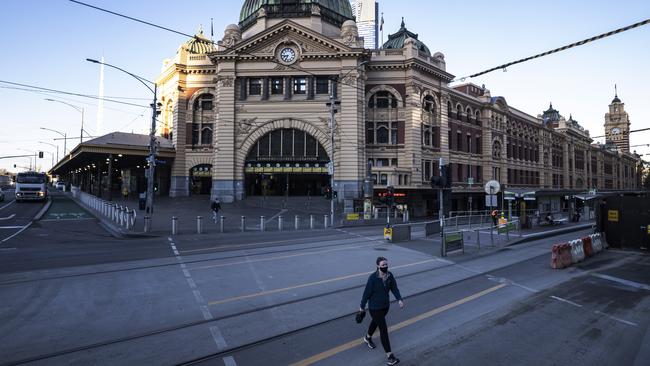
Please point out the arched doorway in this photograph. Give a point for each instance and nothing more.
(201, 179)
(286, 161)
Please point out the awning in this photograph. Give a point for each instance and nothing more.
(513, 194)
(587, 197)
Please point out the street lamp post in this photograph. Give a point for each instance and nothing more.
(78, 109)
(152, 133)
(65, 138)
(57, 149)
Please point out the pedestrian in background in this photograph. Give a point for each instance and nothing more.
(216, 206)
(376, 294)
(495, 217)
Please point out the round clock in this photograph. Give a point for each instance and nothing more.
(287, 54)
(616, 130)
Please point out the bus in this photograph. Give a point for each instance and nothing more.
(31, 186)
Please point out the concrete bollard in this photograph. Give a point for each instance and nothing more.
(326, 219)
(174, 225)
(221, 223)
(147, 224)
(296, 222)
(262, 223)
(280, 221)
(243, 223)
(199, 224)
(311, 222)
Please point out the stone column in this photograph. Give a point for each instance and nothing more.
(223, 171)
(180, 180)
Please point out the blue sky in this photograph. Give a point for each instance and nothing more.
(46, 42)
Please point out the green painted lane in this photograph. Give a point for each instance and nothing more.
(63, 208)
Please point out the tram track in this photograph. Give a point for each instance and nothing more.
(202, 322)
(171, 264)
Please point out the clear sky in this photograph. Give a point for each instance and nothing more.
(45, 43)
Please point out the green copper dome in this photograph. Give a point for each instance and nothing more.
(397, 40)
(333, 11)
(199, 44)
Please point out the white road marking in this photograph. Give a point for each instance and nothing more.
(622, 281)
(199, 298)
(229, 361)
(207, 315)
(7, 205)
(19, 231)
(176, 252)
(616, 319)
(186, 273)
(218, 337)
(183, 265)
(191, 282)
(6, 249)
(8, 217)
(565, 301)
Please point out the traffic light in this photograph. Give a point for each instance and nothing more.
(328, 193)
(445, 176)
(40, 155)
(436, 181)
(335, 194)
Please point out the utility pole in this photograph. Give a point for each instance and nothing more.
(332, 104)
(440, 193)
(152, 152)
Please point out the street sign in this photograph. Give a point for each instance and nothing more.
(490, 200)
(470, 180)
(330, 168)
(612, 215)
(492, 187)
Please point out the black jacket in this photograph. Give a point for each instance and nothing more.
(376, 293)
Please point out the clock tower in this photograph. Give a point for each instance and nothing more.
(617, 125)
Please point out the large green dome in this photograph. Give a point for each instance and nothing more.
(333, 11)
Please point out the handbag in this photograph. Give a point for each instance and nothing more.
(359, 317)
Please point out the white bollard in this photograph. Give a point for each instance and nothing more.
(174, 225)
(296, 222)
(280, 221)
(262, 223)
(311, 222)
(221, 223)
(326, 220)
(147, 224)
(199, 224)
(243, 223)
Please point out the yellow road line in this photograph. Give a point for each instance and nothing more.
(280, 257)
(344, 347)
(270, 292)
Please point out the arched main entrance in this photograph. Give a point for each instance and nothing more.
(286, 161)
(201, 179)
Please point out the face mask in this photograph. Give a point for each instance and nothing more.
(383, 269)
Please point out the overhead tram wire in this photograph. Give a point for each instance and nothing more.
(70, 93)
(556, 50)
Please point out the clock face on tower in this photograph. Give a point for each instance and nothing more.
(288, 55)
(616, 131)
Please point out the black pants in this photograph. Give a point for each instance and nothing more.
(379, 320)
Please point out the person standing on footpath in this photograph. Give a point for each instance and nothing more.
(215, 206)
(379, 284)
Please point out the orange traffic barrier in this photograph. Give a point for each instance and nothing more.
(556, 262)
(565, 254)
(587, 247)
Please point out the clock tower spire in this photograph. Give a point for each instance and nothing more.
(617, 124)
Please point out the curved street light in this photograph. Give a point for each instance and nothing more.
(65, 139)
(78, 109)
(152, 133)
(57, 149)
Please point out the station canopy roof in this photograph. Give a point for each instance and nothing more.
(133, 148)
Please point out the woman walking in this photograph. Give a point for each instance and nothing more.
(379, 284)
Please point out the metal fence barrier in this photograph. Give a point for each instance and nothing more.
(120, 215)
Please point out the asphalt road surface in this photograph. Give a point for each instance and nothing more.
(73, 294)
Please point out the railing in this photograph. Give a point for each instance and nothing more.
(120, 215)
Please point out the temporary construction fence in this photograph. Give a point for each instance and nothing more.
(120, 215)
(565, 254)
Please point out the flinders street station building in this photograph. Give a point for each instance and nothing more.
(247, 115)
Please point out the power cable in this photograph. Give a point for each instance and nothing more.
(70, 93)
(575, 44)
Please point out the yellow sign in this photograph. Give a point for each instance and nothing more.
(388, 233)
(648, 229)
(612, 215)
(353, 216)
(502, 221)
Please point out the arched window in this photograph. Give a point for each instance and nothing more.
(202, 117)
(428, 119)
(496, 150)
(382, 116)
(459, 112)
(468, 114)
(449, 109)
(478, 118)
